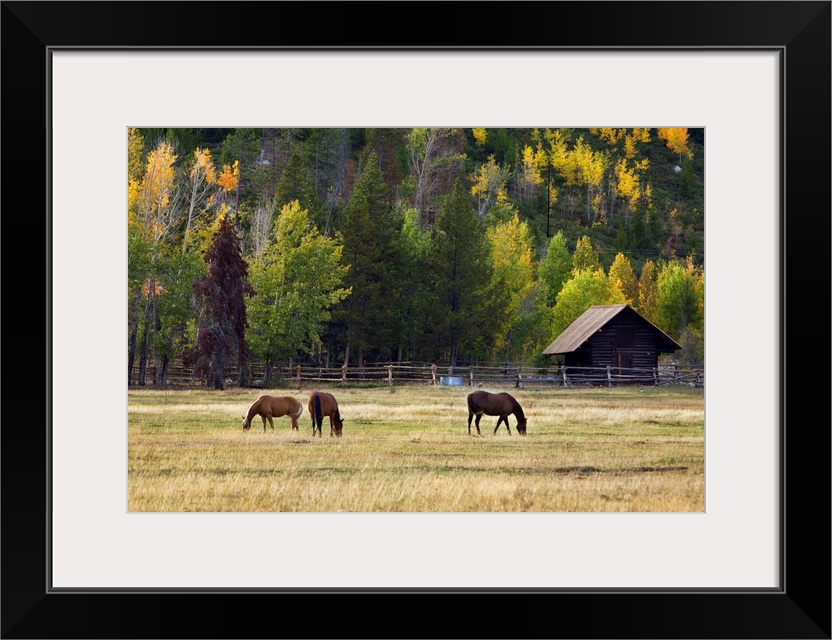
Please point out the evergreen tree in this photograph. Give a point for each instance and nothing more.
(468, 305)
(371, 233)
(222, 319)
(296, 184)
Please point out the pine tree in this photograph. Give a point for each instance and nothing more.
(222, 319)
(468, 307)
(371, 233)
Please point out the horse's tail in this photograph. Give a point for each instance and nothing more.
(319, 418)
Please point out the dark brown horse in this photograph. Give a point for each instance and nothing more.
(268, 407)
(324, 404)
(495, 404)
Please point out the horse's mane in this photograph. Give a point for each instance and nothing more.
(518, 411)
(252, 408)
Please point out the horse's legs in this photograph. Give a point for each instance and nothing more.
(271, 422)
(477, 424)
(470, 417)
(502, 419)
(264, 423)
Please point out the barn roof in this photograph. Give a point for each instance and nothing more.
(590, 322)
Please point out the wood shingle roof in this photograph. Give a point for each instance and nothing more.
(590, 322)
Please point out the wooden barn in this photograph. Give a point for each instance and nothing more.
(614, 336)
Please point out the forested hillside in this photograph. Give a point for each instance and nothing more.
(440, 245)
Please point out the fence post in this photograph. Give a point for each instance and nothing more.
(433, 373)
(519, 383)
(471, 377)
(297, 369)
(343, 372)
(609, 377)
(655, 376)
(563, 374)
(389, 375)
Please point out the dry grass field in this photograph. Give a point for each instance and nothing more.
(407, 449)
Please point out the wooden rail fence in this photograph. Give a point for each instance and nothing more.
(518, 375)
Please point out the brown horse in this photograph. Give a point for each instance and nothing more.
(268, 407)
(324, 404)
(495, 404)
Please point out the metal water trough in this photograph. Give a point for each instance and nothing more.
(450, 381)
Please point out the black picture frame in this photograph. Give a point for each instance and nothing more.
(800, 608)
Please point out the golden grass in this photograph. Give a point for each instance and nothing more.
(408, 450)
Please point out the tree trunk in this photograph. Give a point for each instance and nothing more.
(267, 376)
(131, 348)
(242, 378)
(219, 368)
(163, 376)
(145, 348)
(149, 321)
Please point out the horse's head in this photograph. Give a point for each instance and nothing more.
(246, 424)
(337, 424)
(521, 427)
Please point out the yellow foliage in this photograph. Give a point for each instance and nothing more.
(230, 176)
(591, 164)
(133, 193)
(629, 147)
(676, 139)
(623, 279)
(532, 162)
(158, 178)
(479, 136)
(628, 182)
(205, 230)
(489, 182)
(562, 160)
(610, 136)
(641, 135)
(204, 165)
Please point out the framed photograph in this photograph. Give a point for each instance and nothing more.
(754, 563)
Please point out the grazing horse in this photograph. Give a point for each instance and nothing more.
(324, 404)
(495, 404)
(268, 407)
